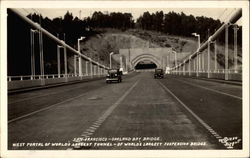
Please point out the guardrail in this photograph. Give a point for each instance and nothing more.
(213, 74)
(51, 76)
(222, 71)
(28, 81)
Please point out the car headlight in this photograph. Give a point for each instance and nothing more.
(115, 74)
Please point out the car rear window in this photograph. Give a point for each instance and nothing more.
(112, 71)
(158, 70)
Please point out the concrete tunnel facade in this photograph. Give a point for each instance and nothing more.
(162, 57)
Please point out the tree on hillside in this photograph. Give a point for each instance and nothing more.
(113, 20)
(159, 20)
(145, 21)
(67, 27)
(183, 25)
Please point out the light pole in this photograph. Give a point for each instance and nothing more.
(58, 61)
(110, 62)
(79, 58)
(65, 56)
(40, 34)
(199, 45)
(32, 43)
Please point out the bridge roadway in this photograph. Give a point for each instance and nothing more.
(169, 111)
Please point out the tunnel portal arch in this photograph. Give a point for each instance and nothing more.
(161, 57)
(144, 57)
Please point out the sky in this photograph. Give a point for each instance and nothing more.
(216, 13)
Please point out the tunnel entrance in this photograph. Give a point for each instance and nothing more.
(145, 65)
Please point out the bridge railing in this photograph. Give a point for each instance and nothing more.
(221, 71)
(48, 76)
(194, 65)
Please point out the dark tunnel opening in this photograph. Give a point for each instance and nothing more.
(145, 65)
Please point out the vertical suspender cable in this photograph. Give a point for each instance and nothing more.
(42, 52)
(31, 54)
(226, 52)
(215, 55)
(208, 59)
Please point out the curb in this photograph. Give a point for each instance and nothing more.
(238, 83)
(50, 86)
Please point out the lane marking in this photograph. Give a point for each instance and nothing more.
(211, 131)
(213, 90)
(43, 109)
(92, 127)
(86, 132)
(98, 122)
(95, 126)
(107, 113)
(91, 131)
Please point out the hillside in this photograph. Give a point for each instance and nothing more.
(111, 40)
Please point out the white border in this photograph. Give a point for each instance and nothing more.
(126, 4)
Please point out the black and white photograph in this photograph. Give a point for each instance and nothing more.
(125, 78)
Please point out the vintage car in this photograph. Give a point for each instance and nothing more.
(159, 73)
(114, 75)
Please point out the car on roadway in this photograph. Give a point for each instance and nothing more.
(158, 73)
(114, 75)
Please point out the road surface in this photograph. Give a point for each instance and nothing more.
(139, 113)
